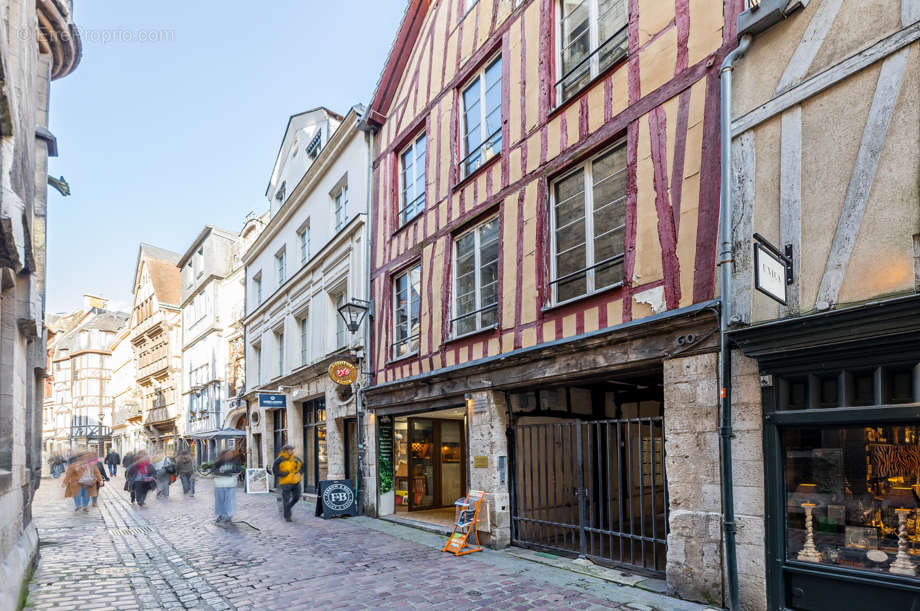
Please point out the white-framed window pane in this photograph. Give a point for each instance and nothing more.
(592, 36)
(407, 308)
(472, 122)
(412, 180)
(339, 321)
(611, 19)
(476, 279)
(303, 340)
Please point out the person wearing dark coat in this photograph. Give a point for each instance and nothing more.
(105, 478)
(142, 476)
(112, 459)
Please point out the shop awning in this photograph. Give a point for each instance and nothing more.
(221, 434)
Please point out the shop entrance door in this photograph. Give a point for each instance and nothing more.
(436, 473)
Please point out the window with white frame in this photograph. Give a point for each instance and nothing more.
(304, 236)
(482, 118)
(338, 301)
(257, 287)
(341, 208)
(303, 329)
(407, 300)
(280, 265)
(412, 180)
(257, 357)
(279, 342)
(588, 226)
(591, 37)
(476, 279)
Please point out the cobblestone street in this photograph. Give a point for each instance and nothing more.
(171, 555)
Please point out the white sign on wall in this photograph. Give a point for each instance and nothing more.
(769, 273)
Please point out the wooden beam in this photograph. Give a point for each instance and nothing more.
(827, 78)
(910, 12)
(742, 198)
(854, 204)
(811, 42)
(790, 197)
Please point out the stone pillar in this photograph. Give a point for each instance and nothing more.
(691, 425)
(748, 478)
(488, 423)
(369, 464)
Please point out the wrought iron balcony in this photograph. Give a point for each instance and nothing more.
(159, 414)
(89, 431)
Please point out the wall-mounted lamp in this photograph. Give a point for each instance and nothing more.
(353, 313)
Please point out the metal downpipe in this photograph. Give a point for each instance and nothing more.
(725, 268)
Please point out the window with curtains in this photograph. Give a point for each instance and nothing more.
(303, 237)
(588, 224)
(481, 127)
(592, 36)
(407, 300)
(412, 180)
(476, 279)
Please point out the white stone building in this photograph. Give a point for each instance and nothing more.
(127, 426)
(308, 261)
(212, 312)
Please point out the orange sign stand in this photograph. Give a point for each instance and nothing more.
(465, 538)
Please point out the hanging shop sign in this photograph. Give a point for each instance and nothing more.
(343, 372)
(272, 400)
(772, 269)
(336, 498)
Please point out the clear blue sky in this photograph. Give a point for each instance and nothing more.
(159, 138)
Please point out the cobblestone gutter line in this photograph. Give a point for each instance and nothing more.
(160, 576)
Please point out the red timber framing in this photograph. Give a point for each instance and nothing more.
(662, 97)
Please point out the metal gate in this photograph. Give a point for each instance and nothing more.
(595, 489)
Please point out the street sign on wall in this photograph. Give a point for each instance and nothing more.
(272, 400)
(772, 269)
(343, 372)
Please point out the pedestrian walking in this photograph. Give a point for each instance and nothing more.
(185, 468)
(98, 466)
(166, 474)
(226, 470)
(57, 466)
(289, 470)
(81, 481)
(112, 459)
(142, 477)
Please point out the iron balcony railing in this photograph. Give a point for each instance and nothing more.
(89, 431)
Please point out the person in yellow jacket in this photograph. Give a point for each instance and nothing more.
(289, 470)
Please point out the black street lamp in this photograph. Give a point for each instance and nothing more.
(353, 313)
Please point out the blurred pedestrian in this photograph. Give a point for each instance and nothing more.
(98, 465)
(81, 481)
(57, 466)
(289, 470)
(226, 470)
(142, 477)
(69, 456)
(166, 472)
(185, 468)
(112, 459)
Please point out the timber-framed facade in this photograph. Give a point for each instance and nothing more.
(543, 273)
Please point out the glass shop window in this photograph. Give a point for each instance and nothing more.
(851, 496)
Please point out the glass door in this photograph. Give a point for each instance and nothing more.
(422, 492)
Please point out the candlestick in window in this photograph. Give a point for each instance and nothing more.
(904, 502)
(809, 552)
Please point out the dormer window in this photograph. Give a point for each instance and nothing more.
(314, 147)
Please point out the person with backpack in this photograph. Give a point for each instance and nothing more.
(112, 459)
(289, 470)
(185, 468)
(226, 470)
(81, 481)
(141, 474)
(166, 474)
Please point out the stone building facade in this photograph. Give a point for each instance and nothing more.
(38, 44)
(212, 324)
(825, 137)
(307, 262)
(545, 215)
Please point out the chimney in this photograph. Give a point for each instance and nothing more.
(92, 301)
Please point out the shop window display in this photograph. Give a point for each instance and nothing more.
(852, 496)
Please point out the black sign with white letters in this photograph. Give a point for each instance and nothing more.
(336, 498)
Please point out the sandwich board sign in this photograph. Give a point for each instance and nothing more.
(336, 498)
(772, 269)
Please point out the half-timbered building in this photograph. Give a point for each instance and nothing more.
(825, 137)
(545, 210)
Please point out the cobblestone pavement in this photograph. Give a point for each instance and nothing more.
(171, 555)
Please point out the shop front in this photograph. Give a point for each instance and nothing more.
(841, 411)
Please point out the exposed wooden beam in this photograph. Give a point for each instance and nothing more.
(827, 78)
(854, 204)
(811, 42)
(910, 12)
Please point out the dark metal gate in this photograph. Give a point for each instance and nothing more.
(595, 489)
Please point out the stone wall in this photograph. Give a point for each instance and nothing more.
(748, 477)
(691, 422)
(488, 420)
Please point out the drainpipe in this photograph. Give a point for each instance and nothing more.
(725, 267)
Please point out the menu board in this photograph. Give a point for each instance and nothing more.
(385, 452)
